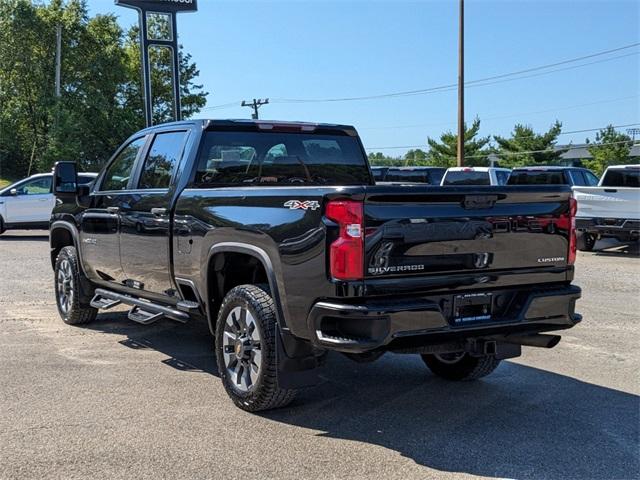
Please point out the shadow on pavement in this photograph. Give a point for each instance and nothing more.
(520, 422)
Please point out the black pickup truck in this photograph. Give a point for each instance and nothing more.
(277, 236)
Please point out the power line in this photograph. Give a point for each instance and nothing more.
(486, 81)
(496, 117)
(528, 136)
(496, 79)
(255, 105)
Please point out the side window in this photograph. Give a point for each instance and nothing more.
(577, 178)
(162, 160)
(592, 180)
(119, 172)
(38, 186)
(503, 177)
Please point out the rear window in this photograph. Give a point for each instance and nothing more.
(467, 178)
(274, 158)
(537, 177)
(628, 177)
(414, 176)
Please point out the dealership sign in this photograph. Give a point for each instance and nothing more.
(158, 30)
(161, 5)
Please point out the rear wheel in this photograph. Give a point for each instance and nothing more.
(69, 298)
(588, 242)
(460, 365)
(246, 332)
(1, 226)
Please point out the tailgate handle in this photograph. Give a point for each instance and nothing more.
(479, 201)
(611, 190)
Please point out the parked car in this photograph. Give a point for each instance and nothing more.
(379, 173)
(276, 235)
(475, 176)
(552, 175)
(404, 175)
(27, 204)
(612, 209)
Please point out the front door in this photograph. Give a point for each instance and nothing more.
(145, 216)
(100, 223)
(32, 203)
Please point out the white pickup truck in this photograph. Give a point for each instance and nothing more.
(612, 209)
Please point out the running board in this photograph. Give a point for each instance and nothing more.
(145, 310)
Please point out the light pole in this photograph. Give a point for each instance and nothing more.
(461, 86)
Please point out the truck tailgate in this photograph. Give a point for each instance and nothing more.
(425, 231)
(608, 202)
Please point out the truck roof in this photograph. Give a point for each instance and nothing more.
(259, 125)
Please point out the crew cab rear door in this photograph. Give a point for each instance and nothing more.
(145, 218)
(466, 235)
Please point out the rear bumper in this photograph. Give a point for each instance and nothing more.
(620, 228)
(396, 324)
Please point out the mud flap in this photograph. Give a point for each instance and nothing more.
(297, 363)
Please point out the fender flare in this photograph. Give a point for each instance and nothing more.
(75, 235)
(262, 256)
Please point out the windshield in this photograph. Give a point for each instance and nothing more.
(274, 158)
(397, 175)
(537, 177)
(628, 177)
(469, 177)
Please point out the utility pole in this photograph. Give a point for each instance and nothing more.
(461, 86)
(58, 58)
(256, 104)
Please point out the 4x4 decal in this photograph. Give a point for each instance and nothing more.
(300, 205)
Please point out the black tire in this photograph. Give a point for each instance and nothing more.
(2, 230)
(70, 279)
(587, 242)
(461, 366)
(251, 395)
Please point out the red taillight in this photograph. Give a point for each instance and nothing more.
(573, 247)
(347, 252)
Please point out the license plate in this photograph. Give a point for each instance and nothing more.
(472, 307)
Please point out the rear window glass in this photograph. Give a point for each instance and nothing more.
(273, 158)
(629, 177)
(417, 176)
(467, 178)
(537, 177)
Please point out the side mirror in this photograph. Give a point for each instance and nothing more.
(65, 179)
(13, 192)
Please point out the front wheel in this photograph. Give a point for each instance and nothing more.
(68, 277)
(460, 366)
(246, 332)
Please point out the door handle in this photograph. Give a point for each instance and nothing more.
(113, 209)
(158, 212)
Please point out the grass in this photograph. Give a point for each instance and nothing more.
(4, 182)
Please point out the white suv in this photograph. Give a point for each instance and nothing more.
(27, 204)
(475, 176)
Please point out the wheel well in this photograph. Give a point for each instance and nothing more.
(227, 270)
(59, 238)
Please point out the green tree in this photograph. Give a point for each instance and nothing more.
(100, 104)
(610, 148)
(379, 159)
(444, 153)
(415, 157)
(525, 147)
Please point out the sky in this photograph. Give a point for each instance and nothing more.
(342, 49)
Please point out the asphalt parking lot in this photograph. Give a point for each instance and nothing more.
(119, 400)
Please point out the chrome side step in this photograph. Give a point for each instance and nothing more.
(144, 312)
